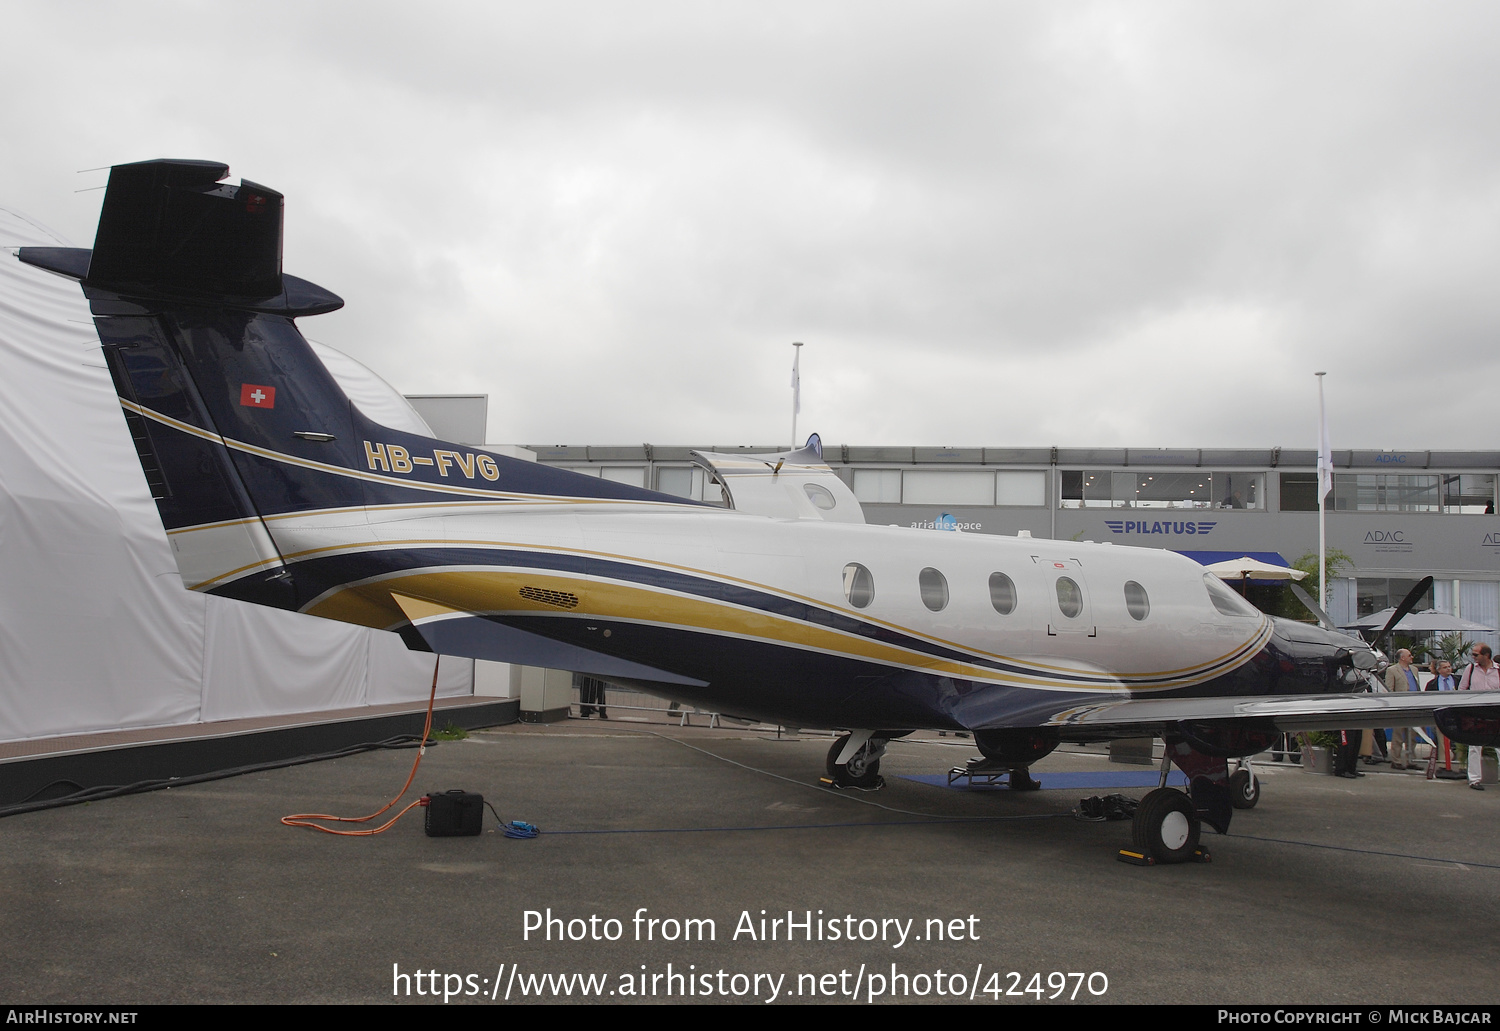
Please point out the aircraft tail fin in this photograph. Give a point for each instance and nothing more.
(236, 422)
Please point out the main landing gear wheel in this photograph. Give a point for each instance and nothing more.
(1166, 827)
(863, 768)
(1244, 790)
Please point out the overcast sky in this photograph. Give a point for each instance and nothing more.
(1006, 224)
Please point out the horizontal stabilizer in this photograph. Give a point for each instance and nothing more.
(450, 632)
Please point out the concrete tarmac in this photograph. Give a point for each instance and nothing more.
(1377, 891)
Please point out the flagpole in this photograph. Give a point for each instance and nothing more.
(1325, 481)
(796, 389)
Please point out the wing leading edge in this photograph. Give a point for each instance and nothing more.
(1469, 717)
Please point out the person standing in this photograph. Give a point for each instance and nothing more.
(1401, 677)
(1442, 680)
(1346, 754)
(1481, 675)
(590, 696)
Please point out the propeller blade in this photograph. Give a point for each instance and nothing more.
(1407, 604)
(1312, 606)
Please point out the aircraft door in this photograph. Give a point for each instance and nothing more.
(1069, 613)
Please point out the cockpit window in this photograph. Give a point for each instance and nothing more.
(1225, 600)
(859, 585)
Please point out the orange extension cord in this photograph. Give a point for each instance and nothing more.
(301, 819)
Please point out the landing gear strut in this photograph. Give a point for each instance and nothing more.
(860, 765)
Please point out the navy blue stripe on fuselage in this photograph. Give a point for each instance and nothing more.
(316, 577)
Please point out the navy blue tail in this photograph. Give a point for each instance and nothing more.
(234, 418)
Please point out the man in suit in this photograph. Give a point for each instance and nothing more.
(1401, 677)
(1442, 680)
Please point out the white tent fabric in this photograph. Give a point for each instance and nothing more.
(96, 630)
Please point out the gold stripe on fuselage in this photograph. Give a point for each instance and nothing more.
(497, 592)
(1213, 665)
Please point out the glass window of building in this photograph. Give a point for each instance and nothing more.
(948, 487)
(1097, 488)
(1028, 489)
(859, 585)
(635, 475)
(934, 587)
(1069, 597)
(878, 486)
(1237, 489)
(1002, 593)
(1385, 492)
(1468, 493)
(1199, 489)
(676, 480)
(1372, 594)
(1299, 492)
(1136, 602)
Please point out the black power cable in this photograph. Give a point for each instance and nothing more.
(104, 791)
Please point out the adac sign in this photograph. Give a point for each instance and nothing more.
(1390, 459)
(1158, 526)
(1388, 541)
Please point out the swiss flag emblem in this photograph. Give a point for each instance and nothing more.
(255, 395)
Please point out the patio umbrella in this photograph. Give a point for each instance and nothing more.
(1247, 568)
(1429, 622)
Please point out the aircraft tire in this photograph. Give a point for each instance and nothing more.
(1166, 826)
(1244, 791)
(857, 772)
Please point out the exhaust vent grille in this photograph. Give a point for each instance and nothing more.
(561, 599)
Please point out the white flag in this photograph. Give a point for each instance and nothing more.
(797, 383)
(1325, 450)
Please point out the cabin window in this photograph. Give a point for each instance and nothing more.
(934, 589)
(1002, 593)
(859, 585)
(1225, 600)
(821, 497)
(1069, 597)
(1136, 602)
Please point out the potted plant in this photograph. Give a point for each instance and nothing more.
(1317, 751)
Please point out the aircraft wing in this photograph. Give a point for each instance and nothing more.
(1283, 713)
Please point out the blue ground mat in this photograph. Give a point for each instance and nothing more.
(1067, 781)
